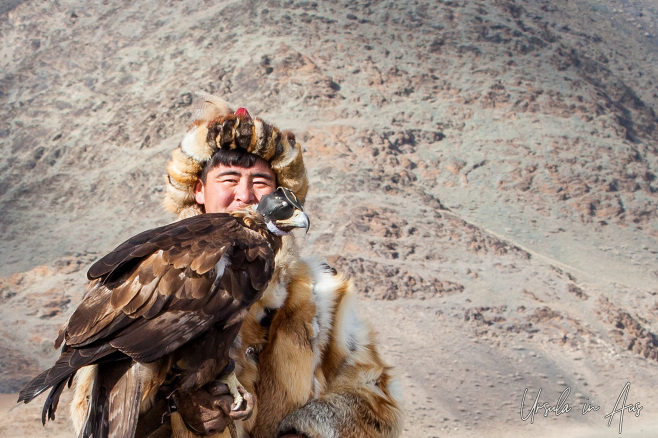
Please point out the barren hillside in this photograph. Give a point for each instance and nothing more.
(485, 171)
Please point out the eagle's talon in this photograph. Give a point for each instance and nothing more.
(245, 409)
(236, 404)
(240, 397)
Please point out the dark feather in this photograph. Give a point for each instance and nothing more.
(50, 406)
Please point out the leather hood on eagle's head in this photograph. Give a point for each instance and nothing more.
(282, 212)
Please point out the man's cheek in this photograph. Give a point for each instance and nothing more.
(264, 191)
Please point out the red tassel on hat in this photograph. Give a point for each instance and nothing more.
(242, 112)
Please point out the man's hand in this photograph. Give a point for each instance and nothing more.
(208, 410)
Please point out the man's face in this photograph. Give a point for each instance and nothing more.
(228, 188)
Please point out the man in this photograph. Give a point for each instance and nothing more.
(302, 351)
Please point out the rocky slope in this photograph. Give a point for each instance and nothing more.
(485, 171)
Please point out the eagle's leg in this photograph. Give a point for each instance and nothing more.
(233, 384)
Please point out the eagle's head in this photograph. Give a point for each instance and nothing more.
(282, 212)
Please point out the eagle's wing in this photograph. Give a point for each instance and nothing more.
(163, 287)
(157, 291)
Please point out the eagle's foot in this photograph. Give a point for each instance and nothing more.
(236, 390)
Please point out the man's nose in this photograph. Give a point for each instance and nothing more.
(244, 193)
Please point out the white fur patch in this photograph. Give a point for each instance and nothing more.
(194, 144)
(324, 289)
(260, 131)
(395, 389)
(351, 333)
(273, 297)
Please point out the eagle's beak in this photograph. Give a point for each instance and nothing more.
(299, 219)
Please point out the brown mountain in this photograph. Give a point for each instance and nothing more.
(485, 171)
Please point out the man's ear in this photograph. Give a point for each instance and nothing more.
(199, 193)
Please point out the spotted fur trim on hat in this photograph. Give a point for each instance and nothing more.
(216, 126)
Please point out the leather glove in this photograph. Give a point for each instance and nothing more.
(207, 410)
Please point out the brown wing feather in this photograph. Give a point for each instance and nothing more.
(157, 290)
(132, 286)
(92, 316)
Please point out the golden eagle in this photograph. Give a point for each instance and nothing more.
(168, 301)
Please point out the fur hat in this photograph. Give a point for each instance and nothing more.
(216, 126)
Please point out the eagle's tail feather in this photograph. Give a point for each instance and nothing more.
(50, 406)
(124, 403)
(114, 402)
